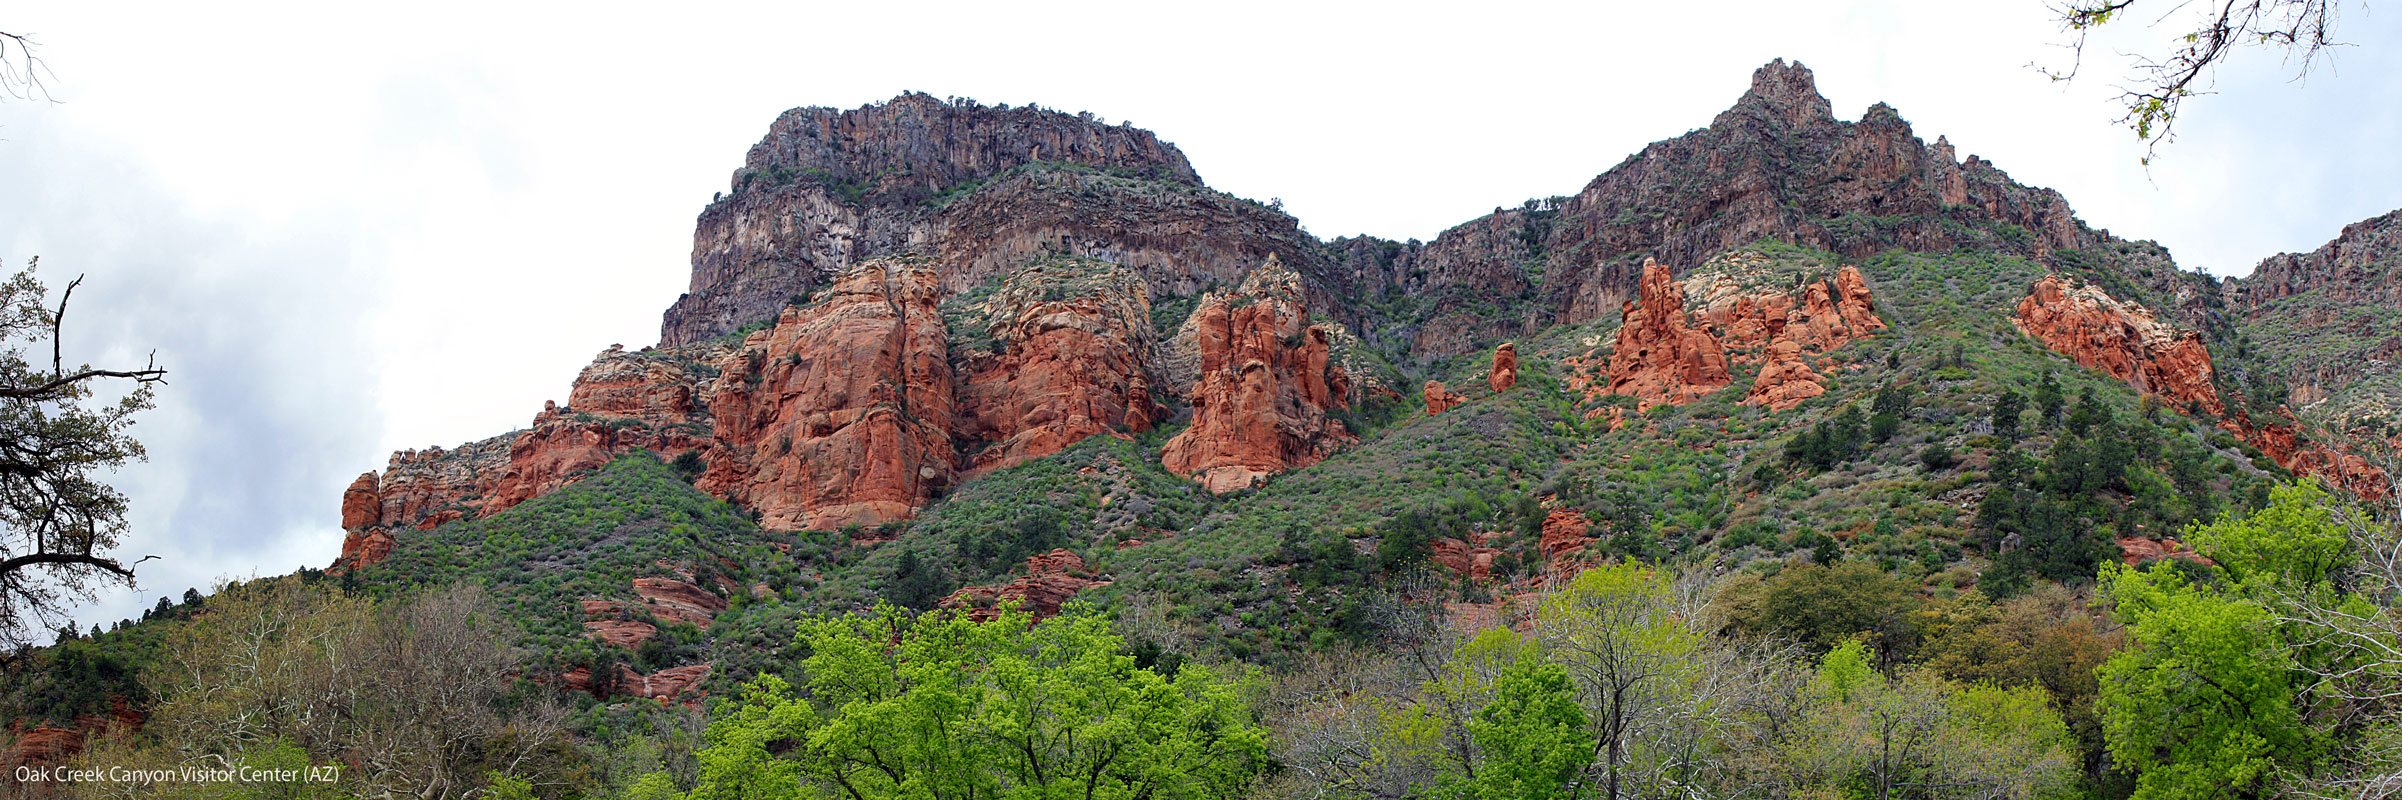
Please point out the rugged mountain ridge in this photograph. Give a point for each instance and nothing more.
(1778, 165)
(949, 289)
(2329, 322)
(979, 189)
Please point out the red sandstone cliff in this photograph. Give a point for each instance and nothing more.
(2119, 338)
(1075, 351)
(839, 414)
(1264, 386)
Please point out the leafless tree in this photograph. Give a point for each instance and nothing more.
(2212, 31)
(21, 70)
(58, 523)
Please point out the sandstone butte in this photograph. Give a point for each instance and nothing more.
(1665, 355)
(1439, 399)
(1265, 382)
(2125, 341)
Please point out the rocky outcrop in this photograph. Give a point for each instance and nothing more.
(1504, 373)
(1817, 317)
(1565, 533)
(1659, 357)
(26, 746)
(1785, 379)
(362, 504)
(1051, 580)
(2324, 322)
(674, 684)
(1472, 559)
(1072, 351)
(839, 414)
(424, 488)
(676, 601)
(2135, 550)
(2120, 338)
(1439, 399)
(2281, 440)
(363, 548)
(1264, 386)
(624, 633)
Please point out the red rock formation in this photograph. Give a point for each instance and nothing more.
(2135, 550)
(1265, 384)
(666, 686)
(1051, 580)
(2119, 338)
(1565, 533)
(51, 745)
(41, 747)
(838, 415)
(625, 400)
(434, 483)
(2283, 444)
(1505, 368)
(1439, 399)
(1463, 558)
(363, 548)
(1075, 355)
(362, 505)
(677, 601)
(628, 634)
(1826, 315)
(1785, 378)
(1659, 358)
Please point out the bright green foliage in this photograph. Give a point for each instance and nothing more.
(2213, 695)
(2295, 543)
(1532, 735)
(940, 706)
(2202, 703)
(1844, 670)
(1918, 735)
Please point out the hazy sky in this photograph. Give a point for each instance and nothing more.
(348, 232)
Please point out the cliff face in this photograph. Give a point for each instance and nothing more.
(839, 414)
(1778, 165)
(1074, 358)
(2119, 338)
(980, 190)
(1265, 382)
(2328, 323)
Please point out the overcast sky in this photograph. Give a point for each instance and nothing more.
(348, 232)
